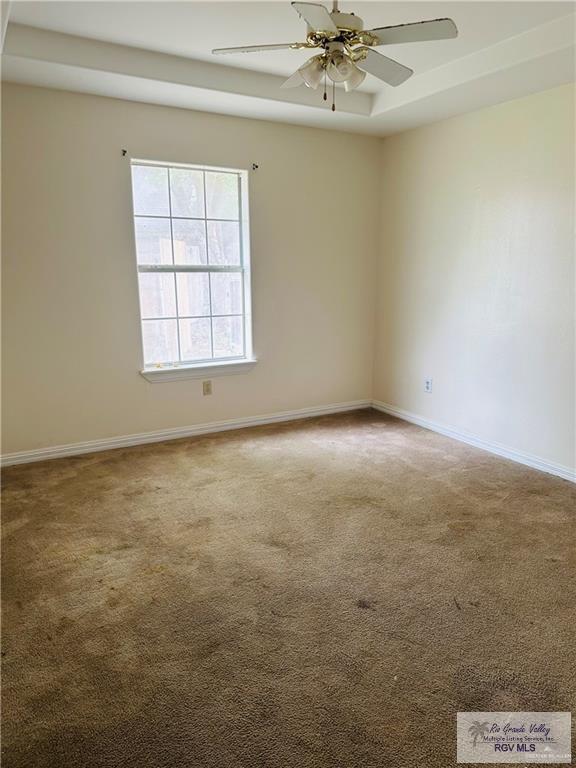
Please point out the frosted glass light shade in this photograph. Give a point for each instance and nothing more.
(312, 72)
(340, 67)
(356, 78)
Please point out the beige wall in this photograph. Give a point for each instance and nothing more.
(71, 336)
(476, 275)
(475, 270)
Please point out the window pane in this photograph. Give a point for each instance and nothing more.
(187, 191)
(153, 241)
(193, 294)
(157, 295)
(228, 340)
(221, 195)
(150, 187)
(189, 241)
(226, 290)
(160, 341)
(195, 339)
(223, 242)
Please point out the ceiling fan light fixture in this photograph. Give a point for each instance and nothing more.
(312, 72)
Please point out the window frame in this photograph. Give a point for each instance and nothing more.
(213, 366)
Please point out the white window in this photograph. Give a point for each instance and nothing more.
(192, 251)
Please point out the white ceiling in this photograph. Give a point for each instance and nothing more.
(504, 50)
(193, 29)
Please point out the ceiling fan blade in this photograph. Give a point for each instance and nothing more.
(383, 68)
(293, 81)
(316, 16)
(255, 48)
(436, 29)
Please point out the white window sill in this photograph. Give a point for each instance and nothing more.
(201, 371)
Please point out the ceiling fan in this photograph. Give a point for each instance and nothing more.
(347, 49)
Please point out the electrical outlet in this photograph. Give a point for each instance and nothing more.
(206, 387)
(428, 384)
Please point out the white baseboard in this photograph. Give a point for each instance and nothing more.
(124, 441)
(500, 450)
(92, 446)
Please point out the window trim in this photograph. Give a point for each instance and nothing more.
(213, 366)
(198, 370)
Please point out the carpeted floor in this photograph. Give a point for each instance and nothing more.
(321, 594)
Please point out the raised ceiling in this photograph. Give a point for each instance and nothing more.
(161, 52)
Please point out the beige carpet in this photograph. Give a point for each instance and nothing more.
(326, 593)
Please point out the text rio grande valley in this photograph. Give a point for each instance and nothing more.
(523, 740)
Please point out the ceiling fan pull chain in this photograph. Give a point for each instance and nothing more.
(325, 94)
(333, 97)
